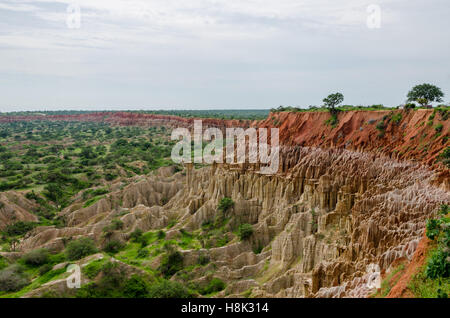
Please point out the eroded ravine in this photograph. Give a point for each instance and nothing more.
(325, 225)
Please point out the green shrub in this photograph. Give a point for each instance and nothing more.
(185, 233)
(396, 118)
(225, 204)
(80, 248)
(114, 284)
(214, 286)
(143, 253)
(333, 121)
(49, 275)
(3, 262)
(171, 224)
(114, 226)
(136, 235)
(221, 239)
(56, 258)
(91, 201)
(258, 249)
(100, 192)
(113, 274)
(445, 156)
(92, 269)
(168, 289)
(13, 278)
(19, 228)
(144, 241)
(117, 224)
(380, 127)
(440, 292)
(45, 269)
(161, 234)
(439, 231)
(245, 231)
(37, 257)
(439, 127)
(110, 177)
(113, 246)
(444, 208)
(438, 266)
(203, 259)
(432, 228)
(171, 263)
(136, 287)
(444, 112)
(110, 285)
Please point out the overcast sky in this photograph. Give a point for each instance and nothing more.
(200, 54)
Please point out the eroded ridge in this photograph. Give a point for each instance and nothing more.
(324, 226)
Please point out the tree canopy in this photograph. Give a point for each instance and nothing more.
(425, 93)
(333, 100)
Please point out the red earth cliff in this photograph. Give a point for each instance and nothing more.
(411, 138)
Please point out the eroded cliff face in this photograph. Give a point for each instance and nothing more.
(407, 135)
(327, 227)
(335, 216)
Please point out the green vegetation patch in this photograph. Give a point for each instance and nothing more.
(433, 279)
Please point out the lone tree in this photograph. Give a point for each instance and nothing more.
(332, 101)
(424, 94)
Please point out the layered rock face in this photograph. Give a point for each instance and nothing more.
(137, 204)
(405, 135)
(344, 206)
(326, 225)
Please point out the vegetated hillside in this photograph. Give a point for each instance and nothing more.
(329, 224)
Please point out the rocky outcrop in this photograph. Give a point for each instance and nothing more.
(327, 224)
(330, 217)
(411, 137)
(14, 207)
(344, 206)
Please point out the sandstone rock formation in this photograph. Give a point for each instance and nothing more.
(343, 207)
(322, 222)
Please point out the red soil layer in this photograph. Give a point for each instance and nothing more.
(409, 139)
(400, 290)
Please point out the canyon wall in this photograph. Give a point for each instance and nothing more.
(345, 205)
(326, 228)
(407, 135)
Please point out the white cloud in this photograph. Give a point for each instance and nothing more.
(20, 7)
(171, 44)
